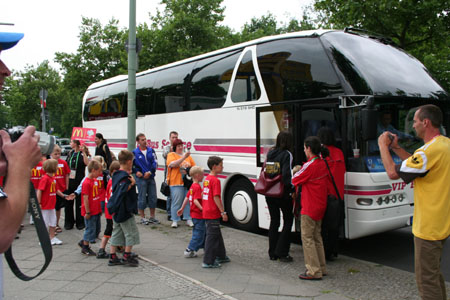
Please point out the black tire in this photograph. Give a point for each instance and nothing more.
(241, 205)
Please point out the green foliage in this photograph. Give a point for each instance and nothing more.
(21, 94)
(420, 27)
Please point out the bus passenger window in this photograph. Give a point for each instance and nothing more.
(211, 80)
(246, 87)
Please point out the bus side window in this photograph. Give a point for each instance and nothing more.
(211, 80)
(246, 87)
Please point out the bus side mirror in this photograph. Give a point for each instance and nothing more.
(369, 119)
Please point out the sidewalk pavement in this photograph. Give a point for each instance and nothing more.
(164, 273)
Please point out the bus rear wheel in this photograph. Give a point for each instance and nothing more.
(241, 205)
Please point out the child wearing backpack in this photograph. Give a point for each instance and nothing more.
(123, 206)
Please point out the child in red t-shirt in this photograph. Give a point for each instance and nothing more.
(36, 173)
(115, 165)
(91, 209)
(46, 194)
(194, 196)
(213, 210)
(62, 178)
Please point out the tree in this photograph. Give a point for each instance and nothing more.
(100, 55)
(420, 27)
(184, 28)
(21, 95)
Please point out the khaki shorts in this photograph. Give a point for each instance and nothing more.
(125, 233)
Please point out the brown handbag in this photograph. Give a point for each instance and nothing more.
(270, 186)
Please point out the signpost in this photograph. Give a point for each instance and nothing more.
(43, 93)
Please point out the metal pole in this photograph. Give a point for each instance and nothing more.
(44, 129)
(132, 77)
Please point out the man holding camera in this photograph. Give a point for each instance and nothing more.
(16, 161)
(429, 167)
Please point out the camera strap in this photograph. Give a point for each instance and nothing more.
(43, 236)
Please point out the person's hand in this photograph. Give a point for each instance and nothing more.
(133, 181)
(225, 217)
(70, 197)
(23, 153)
(187, 154)
(147, 175)
(384, 140)
(179, 212)
(139, 174)
(87, 216)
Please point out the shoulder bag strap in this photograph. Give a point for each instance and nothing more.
(332, 180)
(42, 233)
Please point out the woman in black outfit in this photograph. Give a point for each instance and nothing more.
(102, 149)
(77, 161)
(279, 242)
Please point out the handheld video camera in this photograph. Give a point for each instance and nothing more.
(46, 141)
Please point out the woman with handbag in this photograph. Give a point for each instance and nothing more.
(177, 164)
(313, 177)
(330, 230)
(280, 155)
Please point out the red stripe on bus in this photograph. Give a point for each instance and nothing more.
(233, 149)
(368, 193)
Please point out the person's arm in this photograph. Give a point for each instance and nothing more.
(180, 211)
(85, 157)
(137, 169)
(394, 146)
(219, 204)
(39, 196)
(132, 182)
(80, 186)
(383, 143)
(21, 156)
(107, 154)
(86, 206)
(197, 203)
(178, 162)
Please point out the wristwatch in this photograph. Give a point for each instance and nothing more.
(223, 213)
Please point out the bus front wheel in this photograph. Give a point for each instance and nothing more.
(241, 205)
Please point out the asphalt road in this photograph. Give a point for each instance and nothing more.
(394, 249)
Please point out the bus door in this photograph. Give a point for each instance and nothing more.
(302, 119)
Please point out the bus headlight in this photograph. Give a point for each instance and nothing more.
(364, 201)
(386, 199)
(401, 197)
(379, 201)
(394, 198)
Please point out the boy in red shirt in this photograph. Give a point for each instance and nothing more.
(213, 211)
(194, 196)
(36, 173)
(62, 179)
(91, 209)
(115, 165)
(46, 194)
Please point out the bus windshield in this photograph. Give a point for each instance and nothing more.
(395, 117)
(373, 68)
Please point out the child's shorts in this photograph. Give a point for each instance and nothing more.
(125, 233)
(49, 216)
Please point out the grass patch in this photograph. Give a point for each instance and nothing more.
(352, 271)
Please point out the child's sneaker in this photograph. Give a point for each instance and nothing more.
(114, 260)
(56, 241)
(102, 253)
(189, 223)
(174, 224)
(222, 260)
(130, 261)
(211, 266)
(188, 253)
(88, 251)
(154, 221)
(144, 221)
(80, 244)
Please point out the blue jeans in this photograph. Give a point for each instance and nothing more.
(92, 228)
(198, 235)
(178, 193)
(168, 205)
(147, 193)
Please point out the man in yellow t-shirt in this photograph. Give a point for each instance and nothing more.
(429, 167)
